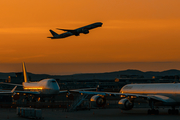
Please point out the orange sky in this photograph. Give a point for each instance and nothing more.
(132, 31)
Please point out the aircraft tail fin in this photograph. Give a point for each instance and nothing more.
(26, 79)
(53, 33)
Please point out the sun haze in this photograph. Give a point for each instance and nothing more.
(132, 31)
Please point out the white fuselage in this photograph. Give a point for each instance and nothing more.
(171, 90)
(45, 86)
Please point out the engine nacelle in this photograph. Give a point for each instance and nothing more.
(125, 104)
(85, 31)
(98, 101)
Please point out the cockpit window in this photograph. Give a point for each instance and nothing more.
(53, 81)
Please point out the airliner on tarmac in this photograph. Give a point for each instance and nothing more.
(43, 88)
(156, 94)
(75, 32)
(38, 90)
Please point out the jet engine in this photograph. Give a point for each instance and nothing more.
(98, 101)
(125, 104)
(85, 31)
(16, 96)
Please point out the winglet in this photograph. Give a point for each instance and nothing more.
(25, 73)
(13, 89)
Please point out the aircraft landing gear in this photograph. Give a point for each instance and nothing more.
(152, 110)
(173, 111)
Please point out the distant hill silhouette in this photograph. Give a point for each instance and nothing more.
(104, 76)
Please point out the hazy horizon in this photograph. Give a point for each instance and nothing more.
(78, 68)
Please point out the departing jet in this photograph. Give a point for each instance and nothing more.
(156, 94)
(75, 32)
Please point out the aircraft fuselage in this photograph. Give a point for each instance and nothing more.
(171, 90)
(45, 86)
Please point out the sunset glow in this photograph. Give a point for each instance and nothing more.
(132, 31)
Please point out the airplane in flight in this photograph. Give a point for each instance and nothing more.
(76, 32)
(156, 94)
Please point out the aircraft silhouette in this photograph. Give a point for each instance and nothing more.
(76, 32)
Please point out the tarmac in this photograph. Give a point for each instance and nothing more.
(93, 114)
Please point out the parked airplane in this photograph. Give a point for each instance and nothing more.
(75, 32)
(157, 94)
(43, 88)
(38, 90)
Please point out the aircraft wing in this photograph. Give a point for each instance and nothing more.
(160, 98)
(73, 32)
(28, 92)
(96, 92)
(76, 90)
(83, 89)
(5, 92)
(11, 84)
(66, 30)
(63, 91)
(12, 91)
(8, 91)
